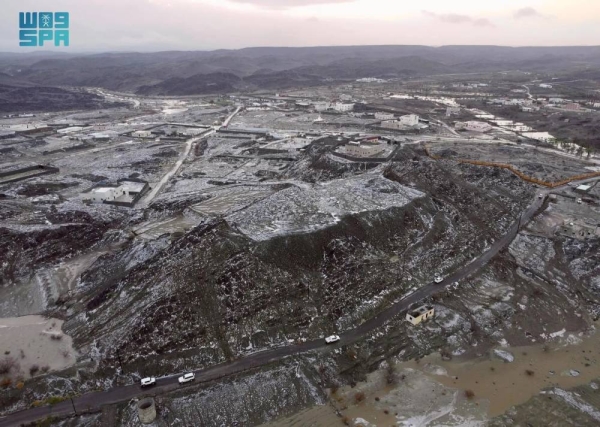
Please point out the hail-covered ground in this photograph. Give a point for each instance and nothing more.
(306, 208)
(264, 238)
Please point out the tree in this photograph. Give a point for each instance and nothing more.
(589, 150)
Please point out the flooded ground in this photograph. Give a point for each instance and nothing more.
(571, 362)
(434, 392)
(31, 345)
(33, 295)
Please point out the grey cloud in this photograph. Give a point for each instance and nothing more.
(287, 4)
(454, 18)
(527, 12)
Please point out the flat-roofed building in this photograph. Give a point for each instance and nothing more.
(101, 194)
(142, 134)
(409, 120)
(343, 106)
(420, 314)
(358, 149)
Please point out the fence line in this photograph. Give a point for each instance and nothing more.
(517, 172)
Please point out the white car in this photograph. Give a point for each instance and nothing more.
(331, 339)
(186, 378)
(579, 201)
(148, 381)
(437, 278)
(541, 196)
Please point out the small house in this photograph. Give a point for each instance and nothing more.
(420, 314)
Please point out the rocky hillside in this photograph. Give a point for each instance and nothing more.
(219, 292)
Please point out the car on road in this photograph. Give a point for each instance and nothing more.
(437, 278)
(579, 201)
(541, 196)
(186, 378)
(331, 339)
(148, 381)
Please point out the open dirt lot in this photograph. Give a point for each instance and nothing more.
(535, 163)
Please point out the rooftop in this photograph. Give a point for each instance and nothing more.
(102, 190)
(421, 310)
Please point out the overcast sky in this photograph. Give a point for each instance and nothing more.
(151, 25)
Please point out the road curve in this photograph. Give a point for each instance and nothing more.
(94, 401)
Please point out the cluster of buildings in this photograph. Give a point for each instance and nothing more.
(173, 130)
(469, 85)
(531, 105)
(340, 106)
(370, 80)
(509, 102)
(125, 191)
(404, 122)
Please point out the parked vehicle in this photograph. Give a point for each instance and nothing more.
(186, 378)
(148, 381)
(331, 339)
(437, 278)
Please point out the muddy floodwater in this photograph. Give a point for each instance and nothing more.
(432, 391)
(34, 345)
(570, 362)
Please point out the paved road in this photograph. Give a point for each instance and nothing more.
(94, 401)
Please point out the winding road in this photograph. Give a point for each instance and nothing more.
(92, 402)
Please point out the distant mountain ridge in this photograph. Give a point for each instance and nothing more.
(220, 71)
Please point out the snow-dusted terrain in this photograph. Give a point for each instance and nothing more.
(301, 210)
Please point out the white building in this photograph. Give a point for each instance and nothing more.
(343, 106)
(357, 149)
(384, 116)
(142, 134)
(322, 106)
(545, 86)
(101, 194)
(409, 120)
(109, 194)
(417, 315)
(556, 100)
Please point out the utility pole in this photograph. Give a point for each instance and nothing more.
(119, 359)
(73, 404)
